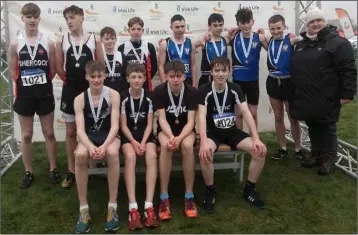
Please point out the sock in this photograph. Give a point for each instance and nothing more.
(210, 187)
(147, 205)
(250, 185)
(297, 150)
(164, 196)
(189, 195)
(133, 205)
(284, 148)
(84, 207)
(114, 205)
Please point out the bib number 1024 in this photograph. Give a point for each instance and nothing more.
(225, 121)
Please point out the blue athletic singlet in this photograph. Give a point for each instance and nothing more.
(209, 54)
(281, 65)
(172, 54)
(243, 71)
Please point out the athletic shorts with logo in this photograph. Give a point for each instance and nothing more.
(278, 89)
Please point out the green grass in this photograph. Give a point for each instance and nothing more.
(298, 201)
(347, 125)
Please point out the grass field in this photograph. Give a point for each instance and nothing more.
(298, 200)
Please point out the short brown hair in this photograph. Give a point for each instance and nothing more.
(75, 10)
(177, 66)
(93, 66)
(107, 30)
(276, 18)
(244, 15)
(135, 67)
(220, 61)
(31, 9)
(135, 20)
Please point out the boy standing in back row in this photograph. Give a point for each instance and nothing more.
(246, 48)
(138, 50)
(73, 51)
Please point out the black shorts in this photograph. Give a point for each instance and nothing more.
(68, 96)
(175, 133)
(278, 89)
(151, 139)
(40, 106)
(251, 91)
(99, 137)
(204, 79)
(230, 137)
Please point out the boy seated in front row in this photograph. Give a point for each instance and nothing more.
(175, 102)
(138, 141)
(97, 120)
(216, 116)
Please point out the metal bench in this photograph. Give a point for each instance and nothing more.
(224, 158)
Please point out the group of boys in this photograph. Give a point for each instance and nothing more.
(108, 104)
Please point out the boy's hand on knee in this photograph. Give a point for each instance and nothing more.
(136, 147)
(93, 152)
(205, 153)
(142, 147)
(101, 152)
(259, 147)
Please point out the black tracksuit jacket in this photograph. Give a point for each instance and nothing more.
(322, 73)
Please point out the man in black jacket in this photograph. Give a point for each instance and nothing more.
(323, 79)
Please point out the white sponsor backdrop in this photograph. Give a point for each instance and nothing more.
(156, 16)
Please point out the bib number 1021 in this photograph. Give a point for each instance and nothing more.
(31, 80)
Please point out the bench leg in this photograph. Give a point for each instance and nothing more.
(241, 167)
(235, 161)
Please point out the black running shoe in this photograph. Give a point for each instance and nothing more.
(253, 197)
(280, 153)
(300, 155)
(27, 180)
(209, 200)
(69, 180)
(55, 177)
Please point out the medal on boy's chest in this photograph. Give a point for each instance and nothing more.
(136, 116)
(176, 121)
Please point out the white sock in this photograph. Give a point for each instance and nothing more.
(133, 205)
(84, 207)
(284, 148)
(147, 205)
(114, 205)
(297, 150)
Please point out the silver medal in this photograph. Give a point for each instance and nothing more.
(246, 51)
(176, 108)
(96, 115)
(136, 116)
(218, 108)
(76, 53)
(277, 58)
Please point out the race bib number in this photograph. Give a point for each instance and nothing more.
(186, 68)
(224, 122)
(32, 77)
